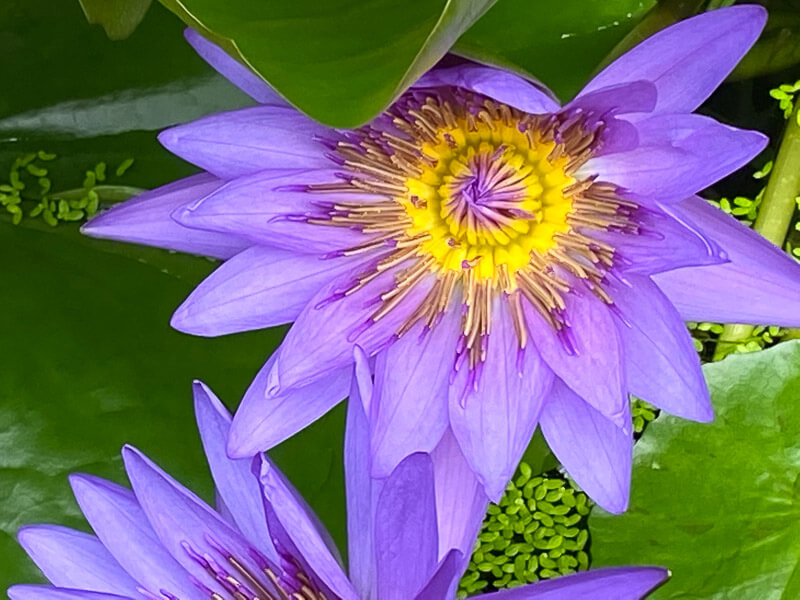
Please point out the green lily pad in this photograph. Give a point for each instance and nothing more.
(719, 503)
(558, 42)
(340, 61)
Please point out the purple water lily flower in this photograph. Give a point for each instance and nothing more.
(161, 542)
(508, 261)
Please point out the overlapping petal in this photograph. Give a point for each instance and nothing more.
(233, 479)
(258, 288)
(267, 208)
(678, 155)
(595, 452)
(73, 559)
(147, 220)
(406, 544)
(293, 528)
(663, 365)
(494, 419)
(588, 355)
(409, 413)
(264, 421)
(123, 528)
(245, 141)
(503, 86)
(760, 283)
(234, 71)
(184, 524)
(670, 58)
(336, 322)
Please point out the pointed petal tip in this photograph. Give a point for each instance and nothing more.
(204, 399)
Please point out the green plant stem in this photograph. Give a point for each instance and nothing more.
(664, 14)
(774, 215)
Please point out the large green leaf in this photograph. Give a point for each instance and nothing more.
(340, 61)
(719, 504)
(119, 18)
(559, 42)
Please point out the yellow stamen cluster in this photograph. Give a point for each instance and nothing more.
(484, 200)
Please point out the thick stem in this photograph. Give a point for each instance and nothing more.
(774, 215)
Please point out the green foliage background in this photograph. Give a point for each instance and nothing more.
(90, 362)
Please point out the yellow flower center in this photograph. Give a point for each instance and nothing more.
(493, 196)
